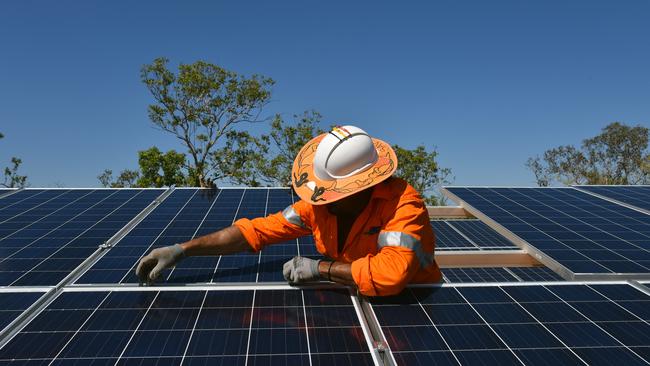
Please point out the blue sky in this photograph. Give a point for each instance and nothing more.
(488, 83)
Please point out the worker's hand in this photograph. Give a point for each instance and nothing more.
(152, 264)
(301, 269)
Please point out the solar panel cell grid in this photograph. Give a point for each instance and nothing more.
(12, 304)
(481, 235)
(448, 238)
(488, 274)
(468, 235)
(582, 232)
(638, 196)
(47, 238)
(569, 324)
(189, 213)
(203, 327)
(535, 274)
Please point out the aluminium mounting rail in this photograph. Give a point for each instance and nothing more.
(31, 312)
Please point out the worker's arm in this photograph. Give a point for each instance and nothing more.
(244, 235)
(302, 269)
(405, 245)
(336, 272)
(227, 241)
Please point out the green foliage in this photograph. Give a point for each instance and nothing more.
(618, 155)
(420, 168)
(11, 177)
(200, 104)
(158, 169)
(240, 159)
(127, 178)
(287, 141)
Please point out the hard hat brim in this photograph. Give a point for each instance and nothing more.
(321, 192)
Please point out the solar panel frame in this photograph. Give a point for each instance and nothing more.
(478, 274)
(481, 235)
(48, 243)
(509, 324)
(125, 323)
(15, 301)
(636, 197)
(302, 246)
(538, 246)
(499, 274)
(227, 205)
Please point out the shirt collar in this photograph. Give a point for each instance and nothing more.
(381, 191)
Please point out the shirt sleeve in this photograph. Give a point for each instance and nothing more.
(278, 227)
(401, 252)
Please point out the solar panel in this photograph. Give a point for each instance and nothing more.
(499, 274)
(535, 274)
(45, 234)
(448, 238)
(481, 234)
(558, 324)
(12, 304)
(481, 274)
(468, 235)
(637, 196)
(582, 233)
(195, 327)
(188, 213)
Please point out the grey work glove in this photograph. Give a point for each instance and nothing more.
(152, 264)
(301, 269)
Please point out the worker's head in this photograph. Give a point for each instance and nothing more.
(340, 164)
(351, 205)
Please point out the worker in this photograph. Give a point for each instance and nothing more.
(373, 228)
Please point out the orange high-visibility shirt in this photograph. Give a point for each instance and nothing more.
(390, 244)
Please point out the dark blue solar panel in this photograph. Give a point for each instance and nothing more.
(568, 324)
(468, 235)
(487, 274)
(638, 196)
(12, 304)
(447, 237)
(482, 235)
(584, 233)
(535, 274)
(26, 200)
(47, 234)
(188, 213)
(213, 327)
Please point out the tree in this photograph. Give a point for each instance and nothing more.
(287, 140)
(618, 155)
(268, 159)
(200, 104)
(158, 169)
(420, 168)
(155, 170)
(127, 178)
(11, 177)
(241, 159)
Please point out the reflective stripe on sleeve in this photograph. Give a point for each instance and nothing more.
(404, 240)
(292, 216)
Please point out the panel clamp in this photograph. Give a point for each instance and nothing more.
(105, 245)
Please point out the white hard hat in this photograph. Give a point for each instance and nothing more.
(343, 152)
(340, 163)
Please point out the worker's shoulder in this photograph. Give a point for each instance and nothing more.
(397, 188)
